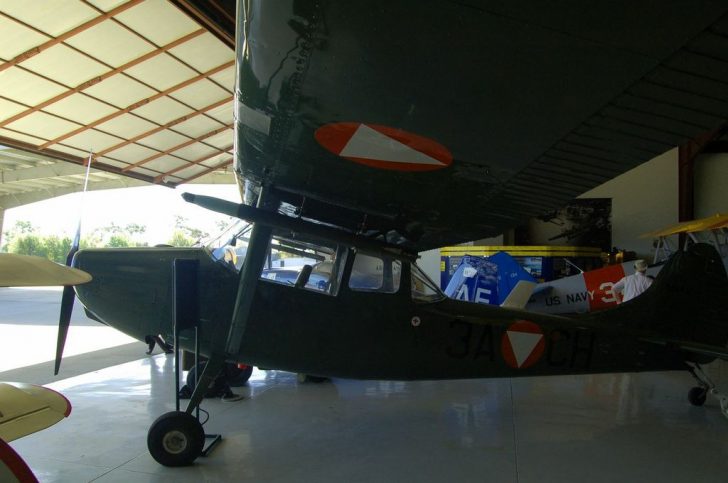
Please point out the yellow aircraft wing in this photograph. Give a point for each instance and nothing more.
(24, 270)
(27, 408)
(702, 224)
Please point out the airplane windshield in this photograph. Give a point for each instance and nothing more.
(230, 246)
(424, 289)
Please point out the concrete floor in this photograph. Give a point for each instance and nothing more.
(628, 428)
(29, 325)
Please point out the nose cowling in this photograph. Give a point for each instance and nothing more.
(132, 289)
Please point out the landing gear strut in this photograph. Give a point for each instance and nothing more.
(698, 394)
(177, 438)
(174, 439)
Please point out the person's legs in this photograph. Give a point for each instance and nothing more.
(151, 341)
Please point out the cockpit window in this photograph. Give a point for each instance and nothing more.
(299, 262)
(304, 264)
(375, 274)
(424, 289)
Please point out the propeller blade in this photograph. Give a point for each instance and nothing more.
(69, 294)
(64, 322)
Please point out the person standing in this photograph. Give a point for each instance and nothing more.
(633, 285)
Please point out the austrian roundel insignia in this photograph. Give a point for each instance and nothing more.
(383, 147)
(523, 344)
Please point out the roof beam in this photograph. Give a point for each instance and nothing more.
(165, 126)
(209, 170)
(65, 36)
(180, 146)
(40, 172)
(13, 200)
(138, 104)
(106, 75)
(59, 155)
(213, 17)
(189, 165)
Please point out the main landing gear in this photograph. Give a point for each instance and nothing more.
(698, 394)
(176, 439)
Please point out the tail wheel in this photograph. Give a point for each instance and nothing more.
(175, 439)
(697, 395)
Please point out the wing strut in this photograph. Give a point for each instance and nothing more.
(249, 275)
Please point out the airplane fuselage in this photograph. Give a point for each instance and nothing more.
(361, 334)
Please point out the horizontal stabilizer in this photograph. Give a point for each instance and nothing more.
(694, 347)
(518, 298)
(542, 289)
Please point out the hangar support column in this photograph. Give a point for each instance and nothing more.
(2, 224)
(687, 153)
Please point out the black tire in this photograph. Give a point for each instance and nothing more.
(697, 396)
(175, 439)
(237, 377)
(308, 378)
(233, 376)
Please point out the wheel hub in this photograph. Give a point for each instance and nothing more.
(174, 442)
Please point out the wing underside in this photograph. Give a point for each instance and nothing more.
(432, 123)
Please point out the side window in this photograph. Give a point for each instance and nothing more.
(303, 264)
(375, 274)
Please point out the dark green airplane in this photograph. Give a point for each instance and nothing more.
(367, 132)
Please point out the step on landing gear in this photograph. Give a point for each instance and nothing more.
(698, 394)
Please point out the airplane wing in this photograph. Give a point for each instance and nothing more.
(24, 270)
(27, 408)
(711, 222)
(432, 123)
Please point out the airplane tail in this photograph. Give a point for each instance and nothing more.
(521, 292)
(687, 305)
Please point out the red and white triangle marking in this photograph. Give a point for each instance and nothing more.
(523, 344)
(367, 143)
(383, 147)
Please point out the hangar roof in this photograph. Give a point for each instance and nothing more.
(140, 84)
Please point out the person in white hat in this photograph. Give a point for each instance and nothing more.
(633, 285)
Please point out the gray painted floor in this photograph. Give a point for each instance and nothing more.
(605, 428)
